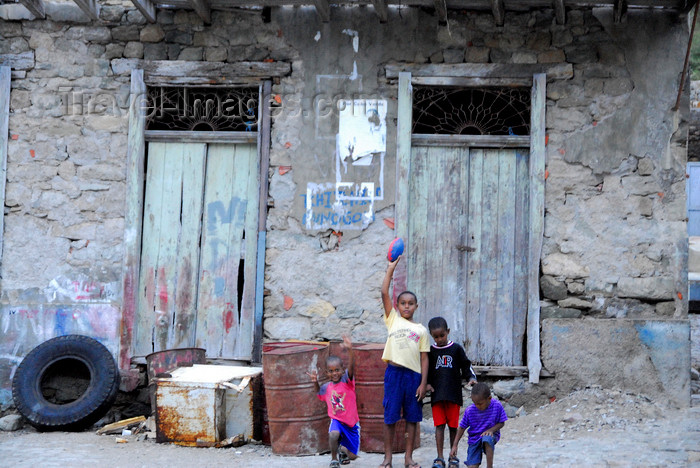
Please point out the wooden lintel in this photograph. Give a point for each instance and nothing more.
(323, 8)
(559, 11)
(35, 7)
(481, 141)
(201, 137)
(147, 9)
(441, 10)
(202, 8)
(90, 7)
(558, 71)
(507, 371)
(381, 9)
(211, 72)
(499, 12)
(619, 10)
(23, 61)
(471, 82)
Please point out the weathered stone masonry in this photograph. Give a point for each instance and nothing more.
(614, 247)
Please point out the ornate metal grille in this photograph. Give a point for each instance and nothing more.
(471, 111)
(202, 109)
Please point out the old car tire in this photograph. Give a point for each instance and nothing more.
(74, 361)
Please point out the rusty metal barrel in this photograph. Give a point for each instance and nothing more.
(298, 420)
(369, 387)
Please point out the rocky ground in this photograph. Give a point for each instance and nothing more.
(591, 427)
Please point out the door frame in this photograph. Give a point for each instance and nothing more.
(181, 73)
(483, 75)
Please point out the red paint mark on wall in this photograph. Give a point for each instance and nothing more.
(288, 145)
(284, 169)
(546, 174)
(546, 140)
(278, 99)
(389, 222)
(32, 153)
(288, 302)
(680, 295)
(15, 137)
(562, 151)
(162, 290)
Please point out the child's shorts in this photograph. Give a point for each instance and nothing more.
(446, 412)
(476, 449)
(349, 436)
(400, 385)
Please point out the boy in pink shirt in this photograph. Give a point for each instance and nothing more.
(339, 395)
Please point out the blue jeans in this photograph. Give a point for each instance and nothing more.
(477, 449)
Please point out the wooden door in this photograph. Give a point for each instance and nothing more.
(467, 230)
(197, 275)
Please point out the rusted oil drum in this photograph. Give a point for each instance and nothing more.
(298, 420)
(369, 387)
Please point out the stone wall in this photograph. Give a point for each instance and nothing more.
(614, 245)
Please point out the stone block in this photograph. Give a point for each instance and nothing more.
(113, 51)
(135, 17)
(318, 309)
(133, 50)
(453, 55)
(666, 309)
(152, 33)
(157, 51)
(216, 54)
(65, 13)
(575, 303)
(558, 264)
(348, 311)
(559, 312)
(126, 33)
(650, 357)
(194, 54)
(287, 328)
(551, 56)
(477, 54)
(505, 389)
(651, 288)
(112, 13)
(618, 86)
(178, 37)
(552, 289)
(524, 57)
(645, 166)
(11, 422)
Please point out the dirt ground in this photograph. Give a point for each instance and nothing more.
(592, 427)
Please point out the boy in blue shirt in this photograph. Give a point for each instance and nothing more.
(484, 418)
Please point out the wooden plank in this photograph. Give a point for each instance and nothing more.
(200, 137)
(417, 257)
(480, 141)
(520, 274)
(381, 9)
(202, 8)
(136, 150)
(264, 158)
(22, 61)
(559, 11)
(5, 81)
(462, 244)
(499, 13)
(147, 9)
(174, 68)
(187, 257)
(116, 427)
(471, 82)
(474, 261)
(489, 274)
(323, 9)
(403, 170)
(90, 7)
(35, 7)
(505, 201)
(537, 162)
(441, 10)
(507, 371)
(558, 71)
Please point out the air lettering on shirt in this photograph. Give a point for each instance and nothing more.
(443, 361)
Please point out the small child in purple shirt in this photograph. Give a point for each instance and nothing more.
(484, 418)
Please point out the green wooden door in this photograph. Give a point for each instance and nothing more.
(468, 237)
(196, 286)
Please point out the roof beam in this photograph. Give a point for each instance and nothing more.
(147, 9)
(35, 7)
(441, 10)
(559, 11)
(202, 8)
(381, 9)
(619, 10)
(323, 9)
(499, 12)
(90, 7)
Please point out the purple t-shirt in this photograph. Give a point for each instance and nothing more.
(478, 421)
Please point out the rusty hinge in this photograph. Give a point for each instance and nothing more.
(465, 248)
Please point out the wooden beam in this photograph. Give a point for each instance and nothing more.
(200, 137)
(90, 7)
(323, 9)
(23, 61)
(198, 70)
(499, 12)
(507, 371)
(35, 7)
(404, 127)
(202, 8)
(441, 10)
(471, 82)
(5, 78)
(559, 11)
(536, 218)
(479, 141)
(557, 71)
(147, 9)
(619, 10)
(381, 9)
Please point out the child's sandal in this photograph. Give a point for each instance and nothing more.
(334, 464)
(439, 463)
(454, 462)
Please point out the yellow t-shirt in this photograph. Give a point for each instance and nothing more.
(405, 342)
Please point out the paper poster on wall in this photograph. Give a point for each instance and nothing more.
(361, 130)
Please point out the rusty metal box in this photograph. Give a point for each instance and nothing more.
(203, 405)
